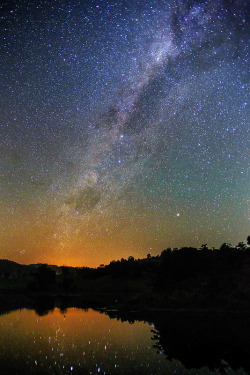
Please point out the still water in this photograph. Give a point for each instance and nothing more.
(78, 341)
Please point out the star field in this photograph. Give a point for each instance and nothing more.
(123, 128)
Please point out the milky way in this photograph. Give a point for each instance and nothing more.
(123, 128)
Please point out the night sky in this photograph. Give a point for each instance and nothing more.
(123, 128)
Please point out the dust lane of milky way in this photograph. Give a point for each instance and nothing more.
(123, 128)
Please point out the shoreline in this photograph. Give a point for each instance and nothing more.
(31, 300)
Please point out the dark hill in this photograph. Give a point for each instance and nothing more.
(8, 266)
(184, 279)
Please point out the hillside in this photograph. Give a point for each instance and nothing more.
(8, 267)
(188, 279)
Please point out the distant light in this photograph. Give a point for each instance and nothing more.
(178, 214)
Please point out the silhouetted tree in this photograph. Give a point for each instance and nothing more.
(241, 246)
(45, 277)
(67, 283)
(204, 246)
(166, 252)
(225, 246)
(65, 270)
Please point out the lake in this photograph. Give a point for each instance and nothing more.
(85, 341)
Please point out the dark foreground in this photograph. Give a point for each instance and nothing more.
(220, 342)
(188, 279)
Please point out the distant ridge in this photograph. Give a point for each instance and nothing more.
(9, 266)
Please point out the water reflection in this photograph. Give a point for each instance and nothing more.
(76, 341)
(44, 339)
(219, 342)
